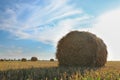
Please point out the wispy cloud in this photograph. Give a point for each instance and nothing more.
(11, 52)
(43, 23)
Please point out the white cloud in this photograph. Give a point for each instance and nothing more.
(45, 24)
(107, 27)
(17, 52)
(67, 14)
(1, 46)
(11, 52)
(52, 35)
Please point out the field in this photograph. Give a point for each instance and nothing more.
(46, 70)
(6, 65)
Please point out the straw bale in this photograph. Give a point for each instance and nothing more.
(34, 58)
(80, 48)
(23, 59)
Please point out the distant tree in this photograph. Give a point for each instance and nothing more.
(18, 59)
(14, 59)
(8, 59)
(34, 58)
(1, 59)
(11, 60)
(5, 59)
(51, 59)
(24, 59)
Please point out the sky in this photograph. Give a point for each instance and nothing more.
(33, 27)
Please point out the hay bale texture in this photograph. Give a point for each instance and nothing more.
(80, 48)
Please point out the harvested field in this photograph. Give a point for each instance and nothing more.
(46, 70)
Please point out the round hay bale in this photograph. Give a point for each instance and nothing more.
(80, 48)
(23, 59)
(51, 60)
(34, 58)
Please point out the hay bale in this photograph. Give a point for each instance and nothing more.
(23, 59)
(34, 58)
(51, 60)
(81, 49)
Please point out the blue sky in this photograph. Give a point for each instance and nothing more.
(33, 27)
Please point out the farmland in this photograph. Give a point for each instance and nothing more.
(46, 70)
(6, 65)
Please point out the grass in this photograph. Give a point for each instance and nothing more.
(46, 70)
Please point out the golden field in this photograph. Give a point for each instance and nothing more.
(6, 65)
(46, 70)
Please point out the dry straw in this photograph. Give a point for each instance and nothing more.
(80, 48)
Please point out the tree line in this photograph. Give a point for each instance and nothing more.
(24, 59)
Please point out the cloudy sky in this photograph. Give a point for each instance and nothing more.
(33, 27)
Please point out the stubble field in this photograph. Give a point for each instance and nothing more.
(46, 70)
